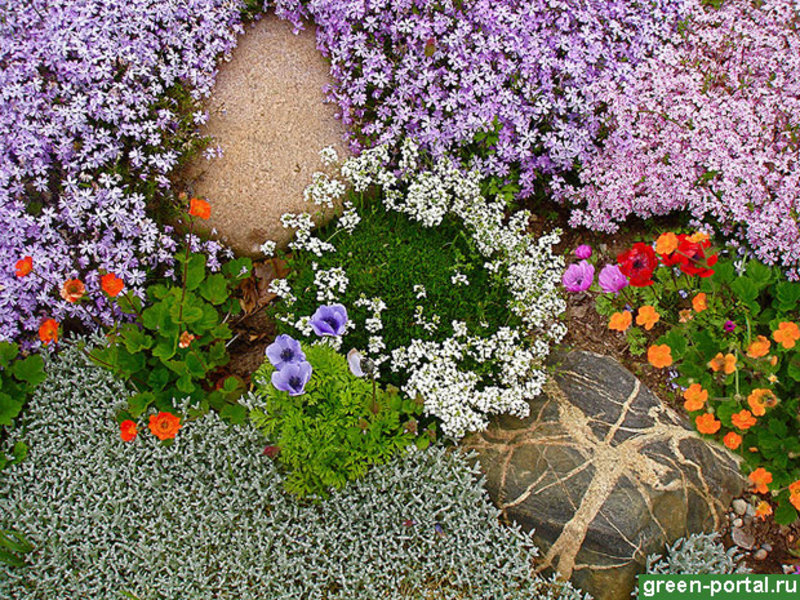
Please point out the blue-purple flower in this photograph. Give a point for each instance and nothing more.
(283, 351)
(329, 320)
(292, 378)
(612, 279)
(578, 276)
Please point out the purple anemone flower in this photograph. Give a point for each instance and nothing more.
(583, 251)
(611, 279)
(329, 320)
(578, 277)
(292, 378)
(285, 350)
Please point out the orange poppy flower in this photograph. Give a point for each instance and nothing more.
(24, 266)
(111, 284)
(760, 399)
(725, 363)
(647, 317)
(199, 208)
(700, 302)
(48, 331)
(763, 510)
(695, 397)
(760, 478)
(786, 334)
(164, 425)
(127, 430)
(667, 243)
(620, 321)
(707, 423)
(732, 440)
(73, 290)
(698, 237)
(659, 356)
(743, 420)
(759, 347)
(794, 494)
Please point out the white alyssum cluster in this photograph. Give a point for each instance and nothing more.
(527, 264)
(323, 191)
(206, 517)
(330, 283)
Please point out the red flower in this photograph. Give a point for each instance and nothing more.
(199, 208)
(164, 425)
(692, 258)
(111, 284)
(48, 331)
(638, 264)
(73, 290)
(24, 266)
(127, 430)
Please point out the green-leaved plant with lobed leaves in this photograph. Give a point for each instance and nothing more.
(19, 376)
(338, 428)
(148, 351)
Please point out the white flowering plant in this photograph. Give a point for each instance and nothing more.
(453, 299)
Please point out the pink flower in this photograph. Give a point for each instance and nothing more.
(583, 251)
(611, 279)
(578, 276)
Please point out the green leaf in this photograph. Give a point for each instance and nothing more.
(128, 303)
(195, 366)
(138, 403)
(130, 363)
(9, 408)
(185, 384)
(19, 452)
(195, 271)
(235, 414)
(745, 288)
(785, 514)
(8, 352)
(793, 368)
(158, 378)
(238, 269)
(676, 340)
(165, 348)
(153, 316)
(760, 274)
(30, 369)
(214, 289)
(788, 295)
(724, 272)
(135, 339)
(778, 427)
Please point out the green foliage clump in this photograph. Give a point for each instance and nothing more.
(387, 257)
(150, 353)
(338, 428)
(19, 377)
(697, 554)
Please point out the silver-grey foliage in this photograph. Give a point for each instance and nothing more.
(207, 518)
(697, 554)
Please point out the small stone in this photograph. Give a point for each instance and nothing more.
(738, 522)
(748, 519)
(760, 554)
(739, 506)
(767, 547)
(742, 538)
(751, 510)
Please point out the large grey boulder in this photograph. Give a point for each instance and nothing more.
(604, 473)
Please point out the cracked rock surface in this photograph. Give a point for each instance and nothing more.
(605, 474)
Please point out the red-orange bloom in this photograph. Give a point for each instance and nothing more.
(787, 334)
(794, 494)
(24, 266)
(743, 420)
(73, 290)
(732, 440)
(707, 423)
(185, 339)
(620, 321)
(760, 478)
(647, 317)
(725, 363)
(127, 430)
(760, 399)
(199, 208)
(48, 331)
(758, 348)
(659, 356)
(164, 425)
(666, 243)
(111, 284)
(695, 397)
(700, 302)
(763, 510)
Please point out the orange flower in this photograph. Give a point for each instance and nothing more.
(700, 302)
(763, 510)
(685, 315)
(667, 243)
(24, 266)
(199, 208)
(185, 339)
(743, 420)
(659, 356)
(773, 360)
(48, 331)
(758, 348)
(695, 397)
(73, 290)
(726, 363)
(647, 317)
(760, 478)
(164, 425)
(786, 334)
(732, 440)
(707, 423)
(127, 430)
(698, 237)
(620, 321)
(760, 399)
(111, 284)
(794, 494)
